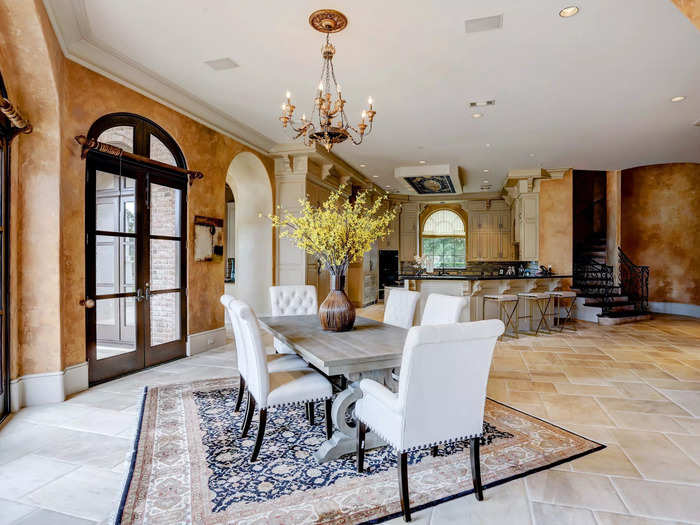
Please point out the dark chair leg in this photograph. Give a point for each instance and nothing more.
(241, 389)
(249, 411)
(434, 451)
(361, 429)
(403, 485)
(259, 437)
(310, 410)
(328, 405)
(476, 468)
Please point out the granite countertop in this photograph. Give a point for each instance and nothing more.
(435, 277)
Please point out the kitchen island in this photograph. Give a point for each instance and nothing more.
(474, 287)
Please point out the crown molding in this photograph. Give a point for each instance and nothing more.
(79, 44)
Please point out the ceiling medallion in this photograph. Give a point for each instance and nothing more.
(328, 124)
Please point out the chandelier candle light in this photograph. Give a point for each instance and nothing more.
(328, 124)
(338, 232)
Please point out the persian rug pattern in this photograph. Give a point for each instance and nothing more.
(190, 465)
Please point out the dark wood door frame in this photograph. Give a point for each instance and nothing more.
(145, 354)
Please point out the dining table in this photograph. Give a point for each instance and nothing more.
(372, 349)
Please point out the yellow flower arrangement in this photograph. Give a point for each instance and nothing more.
(338, 232)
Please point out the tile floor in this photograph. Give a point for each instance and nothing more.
(633, 387)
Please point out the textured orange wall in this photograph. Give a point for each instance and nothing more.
(556, 224)
(89, 96)
(661, 228)
(691, 9)
(32, 66)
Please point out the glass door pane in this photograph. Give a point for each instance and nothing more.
(114, 261)
(166, 254)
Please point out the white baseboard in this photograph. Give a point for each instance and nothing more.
(691, 310)
(49, 387)
(203, 341)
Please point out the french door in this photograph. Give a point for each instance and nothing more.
(136, 275)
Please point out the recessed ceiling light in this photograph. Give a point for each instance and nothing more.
(680, 98)
(486, 171)
(421, 162)
(485, 181)
(488, 145)
(477, 115)
(363, 165)
(375, 176)
(532, 154)
(221, 64)
(568, 11)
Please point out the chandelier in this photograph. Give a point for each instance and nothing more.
(328, 124)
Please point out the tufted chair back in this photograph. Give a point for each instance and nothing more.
(293, 300)
(400, 308)
(442, 309)
(257, 378)
(444, 371)
(226, 300)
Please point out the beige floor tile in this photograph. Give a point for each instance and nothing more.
(610, 518)
(645, 407)
(503, 504)
(87, 492)
(660, 500)
(11, 511)
(648, 422)
(49, 517)
(688, 400)
(691, 425)
(575, 489)
(675, 384)
(689, 444)
(638, 391)
(595, 433)
(531, 386)
(587, 390)
(577, 409)
(610, 461)
(30, 472)
(547, 514)
(656, 457)
(524, 398)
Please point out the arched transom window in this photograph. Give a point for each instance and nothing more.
(444, 239)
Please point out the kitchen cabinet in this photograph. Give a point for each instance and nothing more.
(408, 237)
(490, 237)
(529, 226)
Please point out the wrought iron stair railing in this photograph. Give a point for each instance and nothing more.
(634, 282)
(595, 280)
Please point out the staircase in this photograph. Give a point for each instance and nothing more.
(599, 299)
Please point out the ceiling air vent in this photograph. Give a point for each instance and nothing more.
(488, 23)
(221, 64)
(482, 103)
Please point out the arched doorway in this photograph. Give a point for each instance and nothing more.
(136, 252)
(252, 192)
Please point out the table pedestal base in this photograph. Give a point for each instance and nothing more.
(344, 439)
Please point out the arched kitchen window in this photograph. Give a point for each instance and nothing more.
(444, 239)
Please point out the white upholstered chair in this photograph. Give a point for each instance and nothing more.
(441, 397)
(292, 300)
(276, 362)
(400, 308)
(442, 309)
(274, 389)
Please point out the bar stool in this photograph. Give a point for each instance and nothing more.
(560, 298)
(508, 315)
(537, 299)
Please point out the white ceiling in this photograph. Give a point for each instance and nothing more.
(589, 92)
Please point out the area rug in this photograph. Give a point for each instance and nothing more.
(190, 466)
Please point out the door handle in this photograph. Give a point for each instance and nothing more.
(139, 296)
(147, 294)
(87, 303)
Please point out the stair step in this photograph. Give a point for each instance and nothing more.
(629, 316)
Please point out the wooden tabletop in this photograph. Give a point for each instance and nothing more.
(370, 345)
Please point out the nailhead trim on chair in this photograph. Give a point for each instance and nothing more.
(293, 403)
(427, 445)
